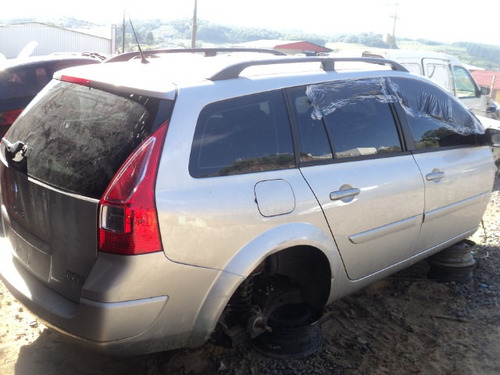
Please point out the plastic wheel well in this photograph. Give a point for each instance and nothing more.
(297, 278)
(308, 267)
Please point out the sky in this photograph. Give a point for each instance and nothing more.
(438, 20)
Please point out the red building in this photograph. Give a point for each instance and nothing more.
(488, 78)
(288, 47)
(306, 48)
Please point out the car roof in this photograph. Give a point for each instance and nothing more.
(165, 74)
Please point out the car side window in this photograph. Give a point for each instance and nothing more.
(464, 83)
(413, 68)
(364, 127)
(42, 77)
(313, 142)
(437, 71)
(242, 135)
(19, 82)
(436, 119)
(351, 118)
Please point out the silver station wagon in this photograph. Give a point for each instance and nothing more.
(154, 203)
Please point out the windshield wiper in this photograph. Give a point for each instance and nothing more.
(14, 148)
(15, 153)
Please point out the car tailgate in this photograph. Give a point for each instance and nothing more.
(52, 233)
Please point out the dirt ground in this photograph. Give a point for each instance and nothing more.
(404, 324)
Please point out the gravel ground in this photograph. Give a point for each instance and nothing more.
(406, 323)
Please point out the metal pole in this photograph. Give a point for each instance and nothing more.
(393, 41)
(123, 32)
(195, 25)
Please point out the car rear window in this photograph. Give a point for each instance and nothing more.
(27, 80)
(21, 82)
(78, 137)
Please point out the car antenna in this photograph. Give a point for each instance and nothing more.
(143, 59)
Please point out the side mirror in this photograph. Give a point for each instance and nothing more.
(495, 140)
(485, 90)
(493, 137)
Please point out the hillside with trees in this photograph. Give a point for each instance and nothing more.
(160, 34)
(177, 34)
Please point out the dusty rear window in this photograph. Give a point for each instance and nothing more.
(78, 137)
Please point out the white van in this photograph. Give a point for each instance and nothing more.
(445, 70)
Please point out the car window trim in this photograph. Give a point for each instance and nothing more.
(353, 158)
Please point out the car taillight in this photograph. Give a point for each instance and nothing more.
(8, 117)
(76, 80)
(128, 222)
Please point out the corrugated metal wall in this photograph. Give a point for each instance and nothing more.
(49, 39)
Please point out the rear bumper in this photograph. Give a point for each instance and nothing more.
(89, 320)
(131, 325)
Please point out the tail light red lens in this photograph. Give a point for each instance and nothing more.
(128, 218)
(76, 80)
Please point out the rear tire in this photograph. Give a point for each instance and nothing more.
(296, 333)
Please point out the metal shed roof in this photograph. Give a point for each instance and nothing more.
(43, 39)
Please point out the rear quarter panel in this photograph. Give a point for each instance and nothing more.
(208, 221)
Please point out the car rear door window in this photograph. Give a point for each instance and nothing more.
(242, 135)
(342, 119)
(364, 127)
(314, 145)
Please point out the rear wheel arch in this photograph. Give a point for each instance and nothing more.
(290, 286)
(306, 266)
(298, 254)
(303, 253)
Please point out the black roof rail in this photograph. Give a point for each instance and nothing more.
(206, 51)
(327, 64)
(94, 55)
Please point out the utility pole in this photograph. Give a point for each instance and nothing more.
(195, 25)
(393, 39)
(123, 32)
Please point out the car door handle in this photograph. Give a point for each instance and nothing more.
(434, 175)
(341, 194)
